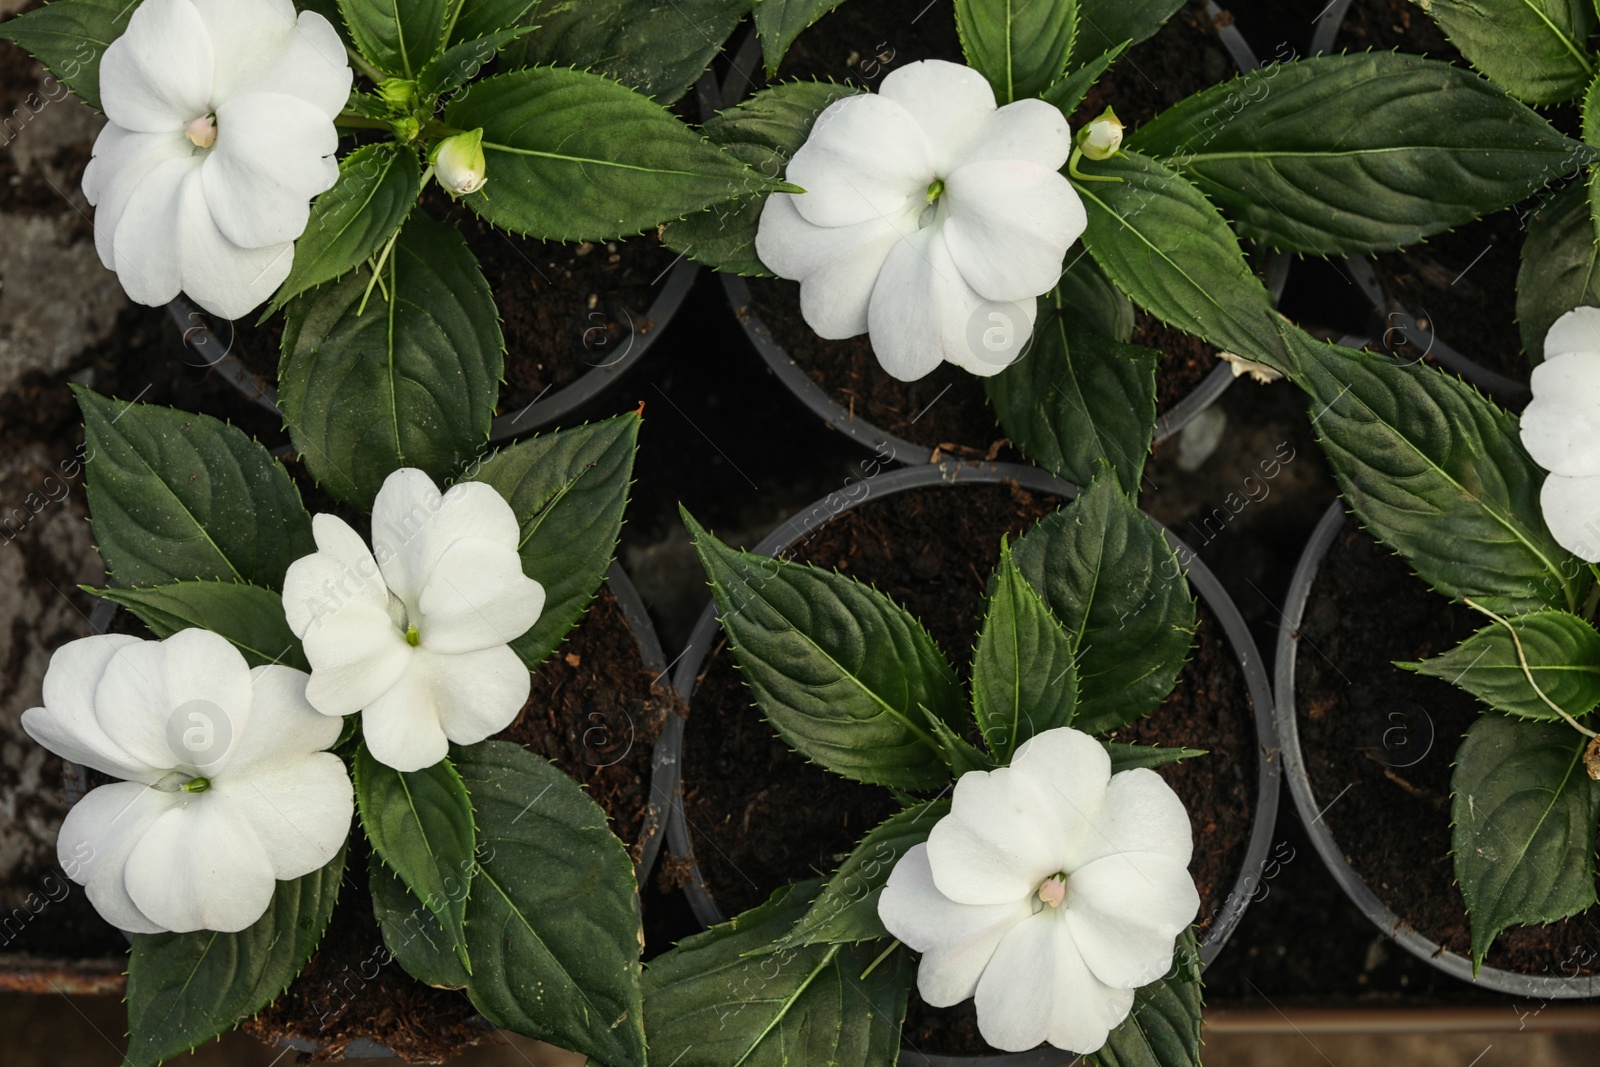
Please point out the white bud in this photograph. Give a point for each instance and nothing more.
(1102, 138)
(459, 164)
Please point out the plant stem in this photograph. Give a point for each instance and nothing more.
(352, 121)
(359, 62)
(1526, 672)
(881, 957)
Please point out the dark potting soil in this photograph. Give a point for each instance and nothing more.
(761, 816)
(1379, 741)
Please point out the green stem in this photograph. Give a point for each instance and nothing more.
(358, 61)
(1527, 673)
(377, 273)
(881, 957)
(352, 121)
(1593, 599)
(1072, 169)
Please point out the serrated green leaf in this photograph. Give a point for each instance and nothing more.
(458, 64)
(779, 22)
(1536, 49)
(1126, 757)
(177, 497)
(1107, 574)
(840, 670)
(69, 37)
(476, 19)
(960, 755)
(1523, 816)
(184, 989)
(1358, 153)
(249, 616)
(1560, 267)
(1163, 1029)
(397, 38)
(708, 1003)
(1024, 679)
(573, 156)
(764, 132)
(1103, 23)
(568, 490)
(377, 188)
(1561, 653)
(1021, 46)
(411, 381)
(1591, 137)
(541, 966)
(420, 825)
(1437, 473)
(1069, 92)
(1165, 245)
(411, 931)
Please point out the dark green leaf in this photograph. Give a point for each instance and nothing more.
(542, 966)
(69, 37)
(1069, 92)
(1523, 816)
(409, 382)
(1107, 573)
(1561, 652)
(708, 1003)
(1163, 1030)
(1536, 49)
(411, 932)
(476, 19)
(1437, 473)
(779, 22)
(1358, 153)
(764, 132)
(1125, 757)
(460, 63)
(959, 754)
(184, 989)
(247, 615)
(1560, 267)
(1021, 46)
(175, 497)
(1102, 24)
(568, 490)
(420, 825)
(1591, 137)
(377, 187)
(575, 156)
(397, 36)
(840, 670)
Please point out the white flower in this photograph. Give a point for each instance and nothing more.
(1561, 431)
(930, 219)
(226, 788)
(458, 161)
(1051, 891)
(221, 130)
(417, 638)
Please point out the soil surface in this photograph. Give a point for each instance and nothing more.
(1378, 743)
(761, 815)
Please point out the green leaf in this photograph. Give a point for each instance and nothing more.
(708, 1003)
(960, 755)
(1103, 23)
(1561, 652)
(69, 37)
(409, 382)
(841, 671)
(1077, 400)
(1560, 267)
(779, 22)
(476, 19)
(846, 911)
(1165, 245)
(411, 931)
(1591, 137)
(184, 989)
(1358, 153)
(1536, 49)
(175, 496)
(1126, 757)
(568, 490)
(397, 36)
(247, 615)
(540, 965)
(1437, 473)
(764, 132)
(420, 825)
(658, 49)
(1106, 572)
(460, 63)
(1021, 46)
(573, 156)
(1024, 680)
(1523, 816)
(378, 186)
(1069, 92)
(1163, 1029)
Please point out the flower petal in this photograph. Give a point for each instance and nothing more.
(1561, 425)
(1037, 988)
(284, 727)
(96, 837)
(312, 65)
(178, 703)
(157, 76)
(356, 655)
(1010, 225)
(413, 525)
(67, 725)
(121, 162)
(299, 809)
(1571, 509)
(952, 103)
(1029, 130)
(479, 693)
(340, 571)
(262, 47)
(402, 728)
(477, 597)
(200, 866)
(224, 278)
(1001, 839)
(956, 940)
(273, 154)
(1126, 912)
(1073, 771)
(866, 158)
(837, 266)
(1138, 813)
(146, 247)
(1576, 331)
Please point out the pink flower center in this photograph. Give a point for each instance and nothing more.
(202, 132)
(1053, 890)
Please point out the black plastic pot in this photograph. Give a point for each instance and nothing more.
(669, 750)
(1311, 808)
(737, 85)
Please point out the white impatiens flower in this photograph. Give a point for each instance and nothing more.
(1051, 892)
(416, 638)
(1561, 431)
(226, 787)
(931, 219)
(220, 132)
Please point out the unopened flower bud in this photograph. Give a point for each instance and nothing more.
(202, 132)
(1102, 138)
(459, 164)
(1053, 890)
(398, 93)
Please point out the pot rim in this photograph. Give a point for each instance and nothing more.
(1391, 925)
(1202, 580)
